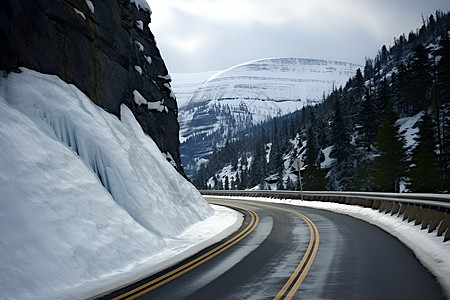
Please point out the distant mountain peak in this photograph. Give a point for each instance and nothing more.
(229, 101)
(281, 78)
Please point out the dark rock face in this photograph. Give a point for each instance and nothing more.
(107, 54)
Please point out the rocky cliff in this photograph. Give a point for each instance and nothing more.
(105, 48)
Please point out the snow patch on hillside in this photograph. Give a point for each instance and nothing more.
(87, 201)
(276, 79)
(409, 129)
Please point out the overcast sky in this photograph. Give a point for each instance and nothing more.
(206, 35)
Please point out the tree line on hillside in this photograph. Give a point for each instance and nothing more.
(360, 125)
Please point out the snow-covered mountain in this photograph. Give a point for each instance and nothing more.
(87, 200)
(231, 101)
(384, 130)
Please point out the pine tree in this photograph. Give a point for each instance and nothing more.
(227, 183)
(420, 82)
(340, 135)
(443, 99)
(369, 71)
(361, 182)
(313, 176)
(312, 146)
(342, 170)
(201, 179)
(443, 70)
(368, 124)
(382, 99)
(398, 90)
(390, 166)
(313, 179)
(359, 83)
(425, 174)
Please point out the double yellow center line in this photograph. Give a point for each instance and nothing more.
(287, 291)
(305, 264)
(163, 279)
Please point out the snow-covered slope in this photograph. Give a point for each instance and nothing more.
(267, 88)
(276, 79)
(84, 197)
(247, 94)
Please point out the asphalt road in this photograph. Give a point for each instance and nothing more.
(288, 251)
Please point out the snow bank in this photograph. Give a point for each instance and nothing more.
(86, 200)
(428, 248)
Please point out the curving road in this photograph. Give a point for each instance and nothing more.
(284, 251)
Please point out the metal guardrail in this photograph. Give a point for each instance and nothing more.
(431, 211)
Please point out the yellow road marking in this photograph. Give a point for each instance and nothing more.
(314, 235)
(149, 286)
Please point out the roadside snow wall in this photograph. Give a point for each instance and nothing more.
(83, 195)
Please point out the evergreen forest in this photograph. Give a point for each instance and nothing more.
(387, 129)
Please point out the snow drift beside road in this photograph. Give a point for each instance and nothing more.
(86, 199)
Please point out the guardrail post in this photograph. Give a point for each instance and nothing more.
(369, 203)
(383, 206)
(438, 217)
(420, 215)
(410, 213)
(444, 225)
(395, 208)
(427, 218)
(389, 206)
(403, 208)
(360, 201)
(376, 204)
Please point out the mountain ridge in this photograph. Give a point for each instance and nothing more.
(235, 99)
(381, 131)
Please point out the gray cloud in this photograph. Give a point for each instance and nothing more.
(203, 35)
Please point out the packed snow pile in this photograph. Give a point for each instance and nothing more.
(86, 199)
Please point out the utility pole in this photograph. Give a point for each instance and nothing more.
(298, 165)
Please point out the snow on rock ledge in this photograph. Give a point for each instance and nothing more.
(142, 4)
(84, 195)
(158, 105)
